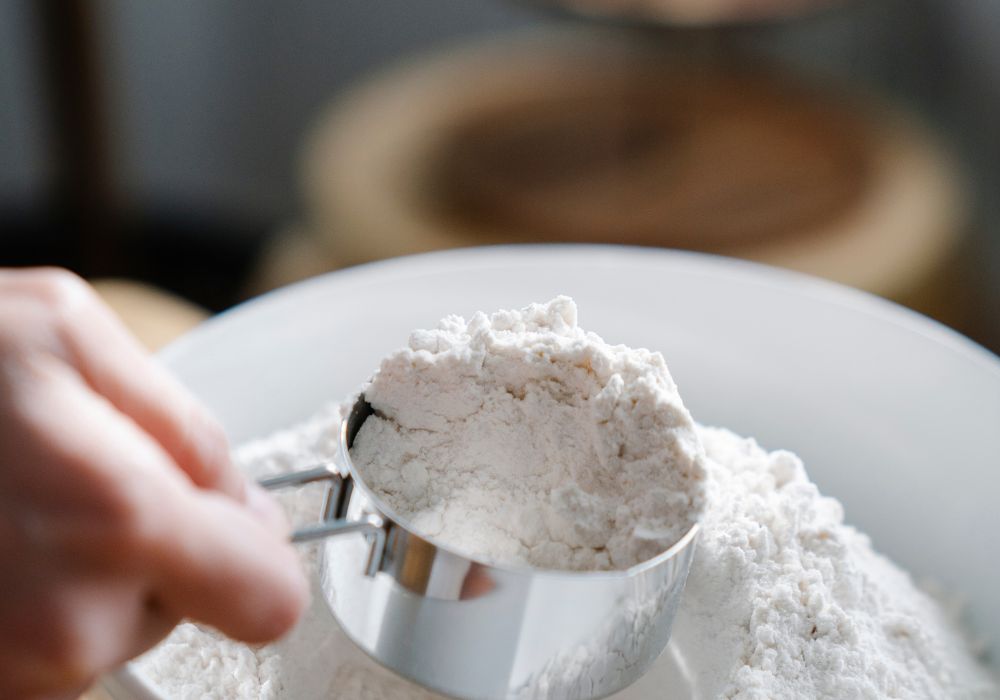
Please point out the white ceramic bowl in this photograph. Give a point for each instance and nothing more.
(894, 414)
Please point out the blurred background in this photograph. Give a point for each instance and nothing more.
(188, 155)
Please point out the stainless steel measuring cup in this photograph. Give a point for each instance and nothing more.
(472, 629)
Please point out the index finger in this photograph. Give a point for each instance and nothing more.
(117, 367)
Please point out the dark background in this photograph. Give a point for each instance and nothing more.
(160, 140)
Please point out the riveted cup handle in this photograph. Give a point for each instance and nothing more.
(332, 521)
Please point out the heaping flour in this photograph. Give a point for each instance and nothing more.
(521, 438)
(784, 601)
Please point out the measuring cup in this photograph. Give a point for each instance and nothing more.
(468, 628)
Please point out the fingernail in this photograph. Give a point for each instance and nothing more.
(267, 510)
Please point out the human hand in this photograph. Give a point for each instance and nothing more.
(120, 512)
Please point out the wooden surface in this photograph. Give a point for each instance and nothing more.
(154, 316)
(620, 142)
(292, 255)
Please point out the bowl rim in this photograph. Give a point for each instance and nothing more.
(761, 274)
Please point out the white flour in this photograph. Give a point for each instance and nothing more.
(773, 560)
(784, 601)
(520, 438)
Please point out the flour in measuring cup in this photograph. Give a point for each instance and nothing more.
(520, 438)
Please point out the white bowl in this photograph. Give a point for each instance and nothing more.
(894, 414)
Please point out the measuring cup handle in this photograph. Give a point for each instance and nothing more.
(332, 521)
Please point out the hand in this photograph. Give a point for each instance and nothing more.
(120, 512)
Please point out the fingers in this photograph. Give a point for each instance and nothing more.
(118, 504)
(122, 506)
(118, 368)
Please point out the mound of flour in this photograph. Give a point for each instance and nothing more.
(784, 600)
(521, 438)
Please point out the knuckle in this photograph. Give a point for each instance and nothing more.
(59, 288)
(62, 295)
